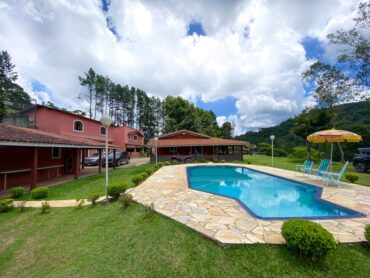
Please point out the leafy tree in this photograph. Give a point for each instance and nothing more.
(226, 130)
(89, 81)
(7, 78)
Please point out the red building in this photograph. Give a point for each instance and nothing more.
(55, 145)
(185, 144)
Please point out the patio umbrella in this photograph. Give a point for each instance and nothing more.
(333, 136)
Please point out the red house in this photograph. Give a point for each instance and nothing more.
(55, 145)
(189, 145)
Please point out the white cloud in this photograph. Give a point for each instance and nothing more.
(56, 41)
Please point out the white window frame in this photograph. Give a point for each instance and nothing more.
(83, 126)
(59, 151)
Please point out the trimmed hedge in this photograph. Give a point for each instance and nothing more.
(6, 205)
(167, 163)
(40, 192)
(149, 171)
(308, 239)
(17, 191)
(137, 179)
(351, 177)
(144, 175)
(367, 233)
(116, 188)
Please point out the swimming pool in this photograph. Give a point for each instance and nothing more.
(266, 196)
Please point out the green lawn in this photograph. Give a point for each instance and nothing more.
(107, 241)
(85, 187)
(290, 164)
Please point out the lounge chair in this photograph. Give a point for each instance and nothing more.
(323, 167)
(335, 177)
(304, 168)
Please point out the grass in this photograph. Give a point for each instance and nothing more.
(107, 241)
(290, 164)
(85, 187)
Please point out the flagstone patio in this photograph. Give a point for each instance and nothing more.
(224, 220)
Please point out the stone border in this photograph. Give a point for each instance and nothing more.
(224, 220)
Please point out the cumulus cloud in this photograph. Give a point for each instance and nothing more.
(252, 50)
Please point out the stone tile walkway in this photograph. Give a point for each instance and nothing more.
(224, 220)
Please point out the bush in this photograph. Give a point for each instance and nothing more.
(137, 179)
(45, 207)
(148, 210)
(301, 153)
(6, 205)
(144, 176)
(367, 233)
(149, 171)
(352, 178)
(307, 238)
(156, 167)
(174, 162)
(126, 200)
(17, 191)
(116, 188)
(222, 161)
(160, 164)
(40, 192)
(167, 163)
(93, 199)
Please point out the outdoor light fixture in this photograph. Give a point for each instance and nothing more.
(272, 138)
(106, 122)
(156, 150)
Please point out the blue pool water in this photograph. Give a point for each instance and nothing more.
(264, 195)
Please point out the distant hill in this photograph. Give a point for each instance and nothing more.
(350, 116)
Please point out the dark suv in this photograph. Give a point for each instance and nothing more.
(361, 161)
(121, 158)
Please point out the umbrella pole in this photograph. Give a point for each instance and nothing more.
(331, 155)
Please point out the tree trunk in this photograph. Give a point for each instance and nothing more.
(341, 152)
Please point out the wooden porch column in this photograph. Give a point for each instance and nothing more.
(114, 159)
(34, 168)
(99, 167)
(76, 170)
(83, 159)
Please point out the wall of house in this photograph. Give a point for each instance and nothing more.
(16, 158)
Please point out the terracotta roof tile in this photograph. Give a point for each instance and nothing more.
(9, 133)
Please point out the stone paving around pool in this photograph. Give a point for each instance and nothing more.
(224, 220)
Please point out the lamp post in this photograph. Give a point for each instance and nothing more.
(272, 138)
(106, 122)
(156, 150)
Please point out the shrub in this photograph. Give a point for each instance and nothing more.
(174, 162)
(116, 188)
(148, 210)
(149, 171)
(137, 179)
(156, 167)
(301, 153)
(307, 238)
(144, 175)
(93, 199)
(160, 164)
(39, 192)
(222, 161)
(249, 162)
(45, 207)
(6, 205)
(351, 177)
(17, 191)
(22, 206)
(167, 163)
(126, 200)
(367, 233)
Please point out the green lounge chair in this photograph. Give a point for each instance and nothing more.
(304, 168)
(323, 167)
(335, 177)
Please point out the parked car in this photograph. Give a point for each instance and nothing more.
(92, 160)
(181, 158)
(121, 158)
(361, 161)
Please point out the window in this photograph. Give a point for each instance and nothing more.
(102, 130)
(55, 153)
(135, 137)
(173, 149)
(78, 126)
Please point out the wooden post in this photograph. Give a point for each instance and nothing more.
(114, 159)
(83, 159)
(34, 168)
(76, 170)
(99, 167)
